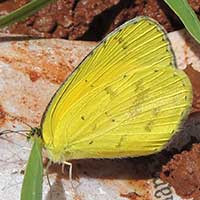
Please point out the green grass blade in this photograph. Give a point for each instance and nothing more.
(32, 184)
(23, 12)
(187, 16)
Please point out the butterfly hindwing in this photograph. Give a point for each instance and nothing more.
(125, 99)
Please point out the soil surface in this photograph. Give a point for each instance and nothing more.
(90, 19)
(183, 173)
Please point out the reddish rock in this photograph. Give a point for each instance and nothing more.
(182, 172)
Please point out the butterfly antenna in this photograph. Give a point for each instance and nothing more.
(15, 118)
(25, 133)
(21, 132)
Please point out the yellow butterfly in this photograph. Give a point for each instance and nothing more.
(125, 99)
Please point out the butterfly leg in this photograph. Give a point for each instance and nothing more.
(70, 169)
(70, 175)
(46, 172)
(63, 168)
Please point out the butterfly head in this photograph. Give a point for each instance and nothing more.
(34, 132)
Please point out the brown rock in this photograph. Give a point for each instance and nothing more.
(90, 19)
(195, 5)
(194, 77)
(182, 172)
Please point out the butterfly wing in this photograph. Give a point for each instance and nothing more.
(126, 98)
